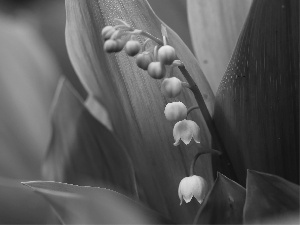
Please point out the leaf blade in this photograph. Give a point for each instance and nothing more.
(78, 138)
(223, 204)
(269, 196)
(259, 90)
(91, 205)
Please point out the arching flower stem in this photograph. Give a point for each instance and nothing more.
(208, 119)
(191, 109)
(204, 150)
(145, 43)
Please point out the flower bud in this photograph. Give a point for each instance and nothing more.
(143, 60)
(171, 87)
(107, 32)
(132, 48)
(186, 130)
(114, 45)
(156, 70)
(192, 186)
(166, 55)
(175, 111)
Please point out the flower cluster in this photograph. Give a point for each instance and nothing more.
(155, 61)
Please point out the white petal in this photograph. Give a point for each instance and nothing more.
(199, 188)
(186, 189)
(185, 132)
(187, 198)
(195, 130)
(176, 133)
(179, 194)
(177, 142)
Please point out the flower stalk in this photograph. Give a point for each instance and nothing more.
(204, 150)
(208, 119)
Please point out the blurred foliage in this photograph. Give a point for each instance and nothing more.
(28, 76)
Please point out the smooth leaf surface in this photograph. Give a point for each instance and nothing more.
(134, 101)
(257, 106)
(28, 77)
(223, 204)
(82, 148)
(269, 197)
(21, 206)
(215, 26)
(89, 205)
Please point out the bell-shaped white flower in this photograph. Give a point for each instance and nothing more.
(192, 186)
(186, 130)
(175, 111)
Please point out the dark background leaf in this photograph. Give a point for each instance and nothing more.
(88, 205)
(223, 204)
(79, 138)
(257, 103)
(270, 196)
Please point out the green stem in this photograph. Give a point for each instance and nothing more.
(191, 109)
(145, 43)
(204, 151)
(146, 34)
(208, 119)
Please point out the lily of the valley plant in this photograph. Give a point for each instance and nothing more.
(150, 113)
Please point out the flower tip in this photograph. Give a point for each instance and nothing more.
(200, 201)
(177, 142)
(187, 200)
(186, 141)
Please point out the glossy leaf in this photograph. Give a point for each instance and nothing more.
(134, 102)
(257, 106)
(90, 205)
(215, 26)
(223, 204)
(82, 148)
(269, 197)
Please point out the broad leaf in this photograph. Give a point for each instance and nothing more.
(223, 204)
(82, 148)
(215, 26)
(270, 196)
(257, 106)
(134, 102)
(88, 205)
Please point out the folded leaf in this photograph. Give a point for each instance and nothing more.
(223, 204)
(257, 106)
(82, 148)
(270, 196)
(134, 101)
(89, 205)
